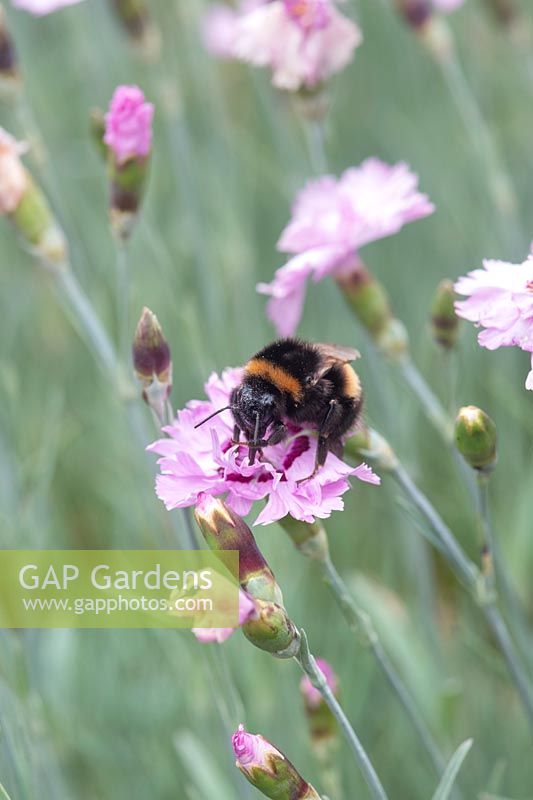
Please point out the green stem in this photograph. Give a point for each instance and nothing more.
(308, 664)
(87, 323)
(360, 622)
(315, 135)
(123, 301)
(474, 581)
(428, 400)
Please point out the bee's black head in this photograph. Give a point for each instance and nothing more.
(256, 404)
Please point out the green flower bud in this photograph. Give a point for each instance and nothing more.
(310, 538)
(225, 530)
(266, 768)
(369, 445)
(445, 323)
(272, 630)
(475, 437)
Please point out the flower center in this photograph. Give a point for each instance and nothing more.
(309, 14)
(529, 286)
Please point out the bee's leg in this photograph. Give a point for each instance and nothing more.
(236, 435)
(330, 422)
(278, 435)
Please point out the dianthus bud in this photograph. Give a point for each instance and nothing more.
(310, 538)
(475, 438)
(272, 630)
(24, 204)
(152, 362)
(370, 445)
(136, 21)
(445, 323)
(225, 530)
(503, 10)
(128, 136)
(368, 300)
(9, 74)
(432, 31)
(266, 768)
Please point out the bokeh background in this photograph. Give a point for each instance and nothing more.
(101, 715)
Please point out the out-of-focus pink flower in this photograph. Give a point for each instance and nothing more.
(219, 26)
(303, 42)
(247, 611)
(331, 220)
(500, 300)
(447, 6)
(13, 176)
(129, 124)
(205, 460)
(41, 7)
(312, 696)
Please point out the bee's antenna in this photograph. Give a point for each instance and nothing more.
(220, 410)
(253, 450)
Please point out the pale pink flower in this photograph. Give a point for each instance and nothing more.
(500, 300)
(303, 42)
(128, 123)
(219, 26)
(247, 611)
(332, 219)
(41, 7)
(195, 460)
(13, 176)
(312, 696)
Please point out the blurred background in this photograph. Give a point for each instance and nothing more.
(110, 715)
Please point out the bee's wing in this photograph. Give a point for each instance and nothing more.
(334, 354)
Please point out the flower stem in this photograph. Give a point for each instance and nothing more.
(87, 322)
(428, 400)
(360, 622)
(315, 135)
(122, 301)
(474, 581)
(308, 664)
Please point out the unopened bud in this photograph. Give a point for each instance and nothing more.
(25, 205)
(371, 446)
(225, 530)
(266, 768)
(445, 324)
(475, 438)
(432, 30)
(9, 74)
(416, 13)
(136, 21)
(504, 11)
(310, 538)
(272, 630)
(152, 362)
(367, 299)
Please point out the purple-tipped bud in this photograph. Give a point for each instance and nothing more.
(225, 530)
(476, 437)
(416, 13)
(266, 768)
(152, 362)
(9, 73)
(136, 21)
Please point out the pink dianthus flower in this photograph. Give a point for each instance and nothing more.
(128, 124)
(500, 300)
(13, 176)
(41, 7)
(303, 42)
(247, 611)
(204, 460)
(332, 219)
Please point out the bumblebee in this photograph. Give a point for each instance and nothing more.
(295, 381)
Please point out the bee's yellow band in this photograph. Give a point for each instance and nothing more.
(277, 375)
